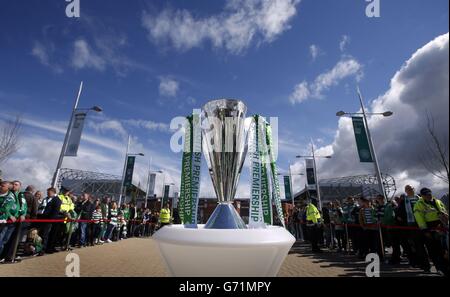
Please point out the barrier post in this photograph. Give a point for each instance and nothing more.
(347, 243)
(16, 242)
(381, 240)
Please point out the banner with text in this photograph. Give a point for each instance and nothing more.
(75, 135)
(287, 187)
(129, 171)
(274, 176)
(190, 174)
(362, 142)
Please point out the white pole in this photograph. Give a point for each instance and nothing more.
(290, 185)
(372, 150)
(163, 190)
(124, 170)
(148, 181)
(317, 178)
(66, 139)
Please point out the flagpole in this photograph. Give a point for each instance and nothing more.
(290, 186)
(317, 178)
(372, 150)
(124, 169)
(148, 182)
(66, 138)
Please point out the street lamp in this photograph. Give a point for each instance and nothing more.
(127, 154)
(371, 147)
(313, 157)
(75, 109)
(343, 113)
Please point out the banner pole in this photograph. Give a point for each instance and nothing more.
(66, 138)
(372, 150)
(148, 182)
(124, 169)
(319, 200)
(347, 243)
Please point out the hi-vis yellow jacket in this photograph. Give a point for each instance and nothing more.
(164, 216)
(425, 212)
(312, 213)
(66, 203)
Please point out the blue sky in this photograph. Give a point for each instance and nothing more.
(144, 73)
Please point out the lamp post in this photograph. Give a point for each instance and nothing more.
(75, 109)
(122, 184)
(313, 157)
(371, 146)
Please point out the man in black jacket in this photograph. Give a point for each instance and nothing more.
(50, 212)
(84, 208)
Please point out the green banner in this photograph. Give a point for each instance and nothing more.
(287, 187)
(129, 171)
(362, 142)
(266, 202)
(255, 209)
(166, 191)
(187, 171)
(190, 172)
(183, 181)
(274, 176)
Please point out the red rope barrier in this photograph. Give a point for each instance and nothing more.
(388, 227)
(61, 221)
(134, 221)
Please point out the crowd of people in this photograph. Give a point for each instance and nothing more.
(412, 226)
(35, 224)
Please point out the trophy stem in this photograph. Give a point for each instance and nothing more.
(225, 216)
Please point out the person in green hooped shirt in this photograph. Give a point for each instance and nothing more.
(113, 220)
(369, 233)
(125, 213)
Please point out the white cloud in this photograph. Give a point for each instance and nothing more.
(314, 51)
(420, 85)
(168, 87)
(234, 29)
(35, 161)
(41, 52)
(301, 93)
(85, 57)
(346, 67)
(149, 125)
(109, 125)
(344, 41)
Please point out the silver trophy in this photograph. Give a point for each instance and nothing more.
(225, 147)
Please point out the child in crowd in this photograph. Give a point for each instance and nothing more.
(98, 224)
(33, 244)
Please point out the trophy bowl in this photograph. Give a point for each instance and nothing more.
(224, 246)
(224, 148)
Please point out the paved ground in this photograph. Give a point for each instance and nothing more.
(139, 257)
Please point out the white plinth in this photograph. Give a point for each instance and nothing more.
(223, 252)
